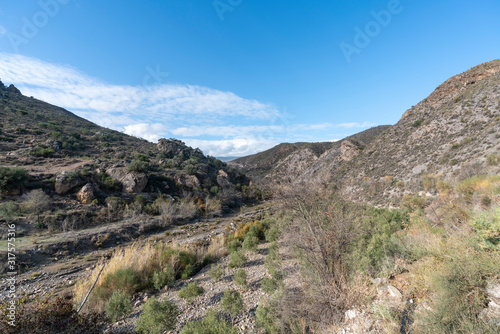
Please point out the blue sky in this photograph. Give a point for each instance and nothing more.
(235, 77)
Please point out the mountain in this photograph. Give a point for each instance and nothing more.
(78, 163)
(298, 161)
(452, 134)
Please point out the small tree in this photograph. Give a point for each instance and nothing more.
(37, 202)
(156, 317)
(240, 278)
(232, 303)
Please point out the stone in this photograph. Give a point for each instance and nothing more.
(132, 182)
(493, 292)
(349, 149)
(379, 281)
(189, 181)
(223, 180)
(350, 314)
(65, 181)
(86, 194)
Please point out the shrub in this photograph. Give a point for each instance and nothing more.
(156, 317)
(232, 302)
(191, 291)
(118, 305)
(417, 123)
(273, 252)
(251, 242)
(216, 271)
(237, 259)
(51, 316)
(273, 267)
(138, 166)
(487, 226)
(45, 152)
(123, 279)
(165, 277)
(493, 159)
(212, 323)
(233, 245)
(240, 278)
(270, 285)
(459, 287)
(264, 318)
(12, 178)
(272, 234)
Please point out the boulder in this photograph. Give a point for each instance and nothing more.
(65, 181)
(223, 180)
(86, 194)
(56, 145)
(190, 181)
(171, 147)
(132, 182)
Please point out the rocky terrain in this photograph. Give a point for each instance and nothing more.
(453, 134)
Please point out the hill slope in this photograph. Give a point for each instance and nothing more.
(452, 134)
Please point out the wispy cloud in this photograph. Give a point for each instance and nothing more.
(220, 123)
(3, 31)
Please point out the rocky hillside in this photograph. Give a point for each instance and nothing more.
(451, 135)
(83, 167)
(294, 162)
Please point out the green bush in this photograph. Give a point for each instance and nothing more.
(233, 245)
(265, 318)
(124, 279)
(186, 262)
(273, 267)
(240, 278)
(118, 305)
(493, 159)
(376, 241)
(273, 252)
(12, 178)
(237, 259)
(45, 152)
(417, 123)
(272, 234)
(251, 242)
(165, 277)
(487, 226)
(212, 323)
(156, 317)
(270, 285)
(138, 166)
(232, 302)
(460, 292)
(217, 271)
(191, 291)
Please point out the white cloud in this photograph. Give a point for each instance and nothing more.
(226, 131)
(151, 132)
(231, 147)
(3, 31)
(67, 87)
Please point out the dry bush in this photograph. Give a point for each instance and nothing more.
(321, 232)
(172, 211)
(213, 207)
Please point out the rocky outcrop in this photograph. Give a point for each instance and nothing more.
(132, 182)
(349, 149)
(56, 145)
(189, 181)
(223, 180)
(170, 147)
(86, 194)
(65, 181)
(13, 89)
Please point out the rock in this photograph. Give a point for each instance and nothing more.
(86, 194)
(350, 314)
(379, 281)
(493, 292)
(349, 149)
(13, 89)
(223, 180)
(132, 182)
(388, 291)
(190, 181)
(56, 145)
(65, 181)
(170, 147)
